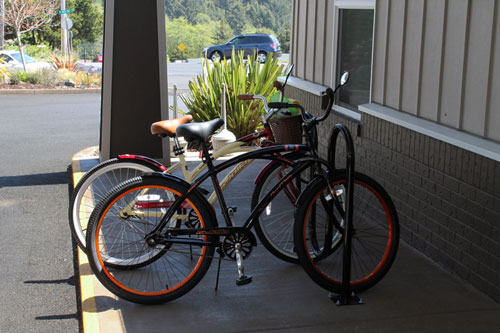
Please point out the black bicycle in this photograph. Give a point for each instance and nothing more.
(164, 233)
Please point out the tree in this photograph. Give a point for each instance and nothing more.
(194, 37)
(28, 15)
(223, 32)
(87, 20)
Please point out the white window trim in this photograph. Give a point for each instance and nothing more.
(437, 131)
(347, 4)
(308, 86)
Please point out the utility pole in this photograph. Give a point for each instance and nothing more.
(2, 23)
(64, 31)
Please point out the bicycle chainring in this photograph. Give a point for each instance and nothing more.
(246, 241)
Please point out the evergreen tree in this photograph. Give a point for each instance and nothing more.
(87, 21)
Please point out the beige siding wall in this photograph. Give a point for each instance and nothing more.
(312, 40)
(435, 59)
(439, 60)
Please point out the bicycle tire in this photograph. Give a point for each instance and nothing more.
(274, 226)
(173, 269)
(94, 185)
(375, 238)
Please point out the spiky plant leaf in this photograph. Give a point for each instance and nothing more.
(241, 76)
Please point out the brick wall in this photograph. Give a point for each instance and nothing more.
(447, 198)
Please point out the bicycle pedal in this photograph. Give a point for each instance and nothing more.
(245, 279)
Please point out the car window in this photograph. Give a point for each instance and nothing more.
(237, 40)
(253, 40)
(5, 58)
(263, 40)
(27, 58)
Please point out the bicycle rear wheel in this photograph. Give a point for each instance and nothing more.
(375, 232)
(94, 185)
(126, 263)
(274, 226)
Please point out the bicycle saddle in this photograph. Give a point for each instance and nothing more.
(199, 131)
(168, 127)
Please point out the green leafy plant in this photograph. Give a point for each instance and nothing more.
(48, 77)
(18, 76)
(33, 77)
(88, 79)
(241, 76)
(61, 62)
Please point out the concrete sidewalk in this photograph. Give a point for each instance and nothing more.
(416, 295)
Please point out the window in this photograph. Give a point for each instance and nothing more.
(5, 58)
(253, 40)
(354, 55)
(236, 41)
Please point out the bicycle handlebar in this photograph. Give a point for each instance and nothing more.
(269, 111)
(275, 106)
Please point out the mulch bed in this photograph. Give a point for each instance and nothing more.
(25, 85)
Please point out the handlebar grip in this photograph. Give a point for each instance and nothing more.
(278, 85)
(279, 105)
(245, 97)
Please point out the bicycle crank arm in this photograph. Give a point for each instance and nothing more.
(242, 278)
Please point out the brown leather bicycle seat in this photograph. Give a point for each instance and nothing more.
(168, 127)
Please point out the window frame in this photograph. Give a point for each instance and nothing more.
(338, 6)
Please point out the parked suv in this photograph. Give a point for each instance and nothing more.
(262, 44)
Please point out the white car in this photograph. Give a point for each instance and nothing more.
(12, 59)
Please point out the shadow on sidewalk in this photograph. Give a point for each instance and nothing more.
(51, 178)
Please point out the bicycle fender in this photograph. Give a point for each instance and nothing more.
(311, 183)
(317, 179)
(144, 160)
(176, 179)
(263, 171)
(182, 182)
(272, 163)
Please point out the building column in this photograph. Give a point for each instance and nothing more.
(134, 88)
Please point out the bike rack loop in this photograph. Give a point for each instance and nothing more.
(346, 297)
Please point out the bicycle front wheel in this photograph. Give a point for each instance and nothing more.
(93, 187)
(319, 232)
(124, 259)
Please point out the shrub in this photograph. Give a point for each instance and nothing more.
(33, 77)
(18, 76)
(48, 77)
(61, 62)
(241, 76)
(4, 71)
(88, 79)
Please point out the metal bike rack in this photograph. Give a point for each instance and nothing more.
(346, 297)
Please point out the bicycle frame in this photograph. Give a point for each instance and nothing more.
(267, 153)
(231, 148)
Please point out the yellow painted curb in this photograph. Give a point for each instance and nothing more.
(93, 320)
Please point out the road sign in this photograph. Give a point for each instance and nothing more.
(181, 47)
(67, 23)
(66, 11)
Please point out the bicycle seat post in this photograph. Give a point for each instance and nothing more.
(178, 150)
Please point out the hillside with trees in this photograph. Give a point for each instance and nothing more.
(199, 23)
